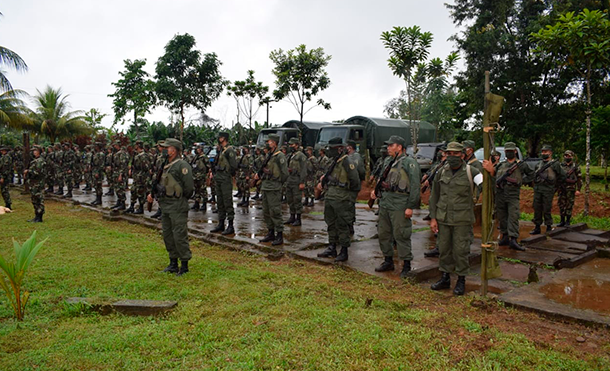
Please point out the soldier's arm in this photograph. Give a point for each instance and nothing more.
(189, 184)
(232, 160)
(414, 172)
(352, 174)
(435, 189)
(303, 170)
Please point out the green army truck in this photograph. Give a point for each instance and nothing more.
(307, 131)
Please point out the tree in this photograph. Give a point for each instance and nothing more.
(94, 118)
(300, 75)
(185, 80)
(52, 118)
(249, 96)
(439, 96)
(583, 43)
(408, 48)
(13, 112)
(10, 59)
(134, 92)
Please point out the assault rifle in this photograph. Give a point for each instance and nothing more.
(562, 187)
(157, 187)
(538, 176)
(430, 178)
(259, 174)
(380, 182)
(501, 181)
(330, 170)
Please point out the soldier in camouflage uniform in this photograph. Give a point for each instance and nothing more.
(548, 175)
(35, 175)
(569, 188)
(50, 162)
(59, 172)
(259, 159)
(226, 166)
(140, 173)
(98, 165)
(68, 164)
(78, 167)
(297, 168)
(159, 161)
(357, 160)
(108, 166)
(341, 185)
(6, 174)
(323, 164)
(245, 165)
(310, 179)
(87, 159)
(201, 168)
(120, 171)
(18, 163)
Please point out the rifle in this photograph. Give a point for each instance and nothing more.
(538, 176)
(260, 173)
(157, 187)
(380, 182)
(501, 181)
(432, 176)
(561, 188)
(330, 170)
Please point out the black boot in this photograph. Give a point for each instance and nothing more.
(256, 197)
(68, 195)
(562, 223)
(330, 252)
(120, 206)
(229, 230)
(291, 220)
(504, 241)
(549, 228)
(342, 257)
(306, 202)
(220, 227)
(116, 205)
(9, 206)
(157, 215)
(443, 283)
(195, 206)
(269, 237)
(203, 207)
(297, 222)
(243, 202)
(406, 268)
(310, 202)
(184, 268)
(568, 217)
(131, 209)
(513, 244)
(39, 218)
(34, 219)
(279, 239)
(387, 265)
(460, 286)
(172, 267)
(140, 210)
(536, 230)
(432, 253)
(238, 194)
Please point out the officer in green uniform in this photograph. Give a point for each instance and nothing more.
(310, 180)
(35, 175)
(341, 184)
(547, 176)
(6, 175)
(226, 166)
(295, 185)
(399, 196)
(470, 158)
(508, 175)
(570, 188)
(452, 216)
(174, 191)
(355, 159)
(275, 173)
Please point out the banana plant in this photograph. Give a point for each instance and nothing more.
(15, 272)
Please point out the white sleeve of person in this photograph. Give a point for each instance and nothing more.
(478, 179)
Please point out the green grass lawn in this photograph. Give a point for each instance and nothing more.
(243, 312)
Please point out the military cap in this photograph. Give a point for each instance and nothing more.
(395, 139)
(455, 147)
(309, 148)
(294, 140)
(510, 146)
(569, 153)
(468, 144)
(547, 147)
(223, 134)
(336, 142)
(274, 137)
(139, 142)
(351, 143)
(4, 148)
(37, 148)
(160, 143)
(172, 142)
(496, 153)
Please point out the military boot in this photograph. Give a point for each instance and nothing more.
(243, 202)
(256, 197)
(9, 206)
(98, 201)
(330, 252)
(269, 237)
(311, 202)
(195, 206)
(157, 215)
(131, 209)
(172, 267)
(432, 253)
(504, 241)
(279, 239)
(568, 217)
(120, 206)
(342, 257)
(184, 268)
(230, 230)
(387, 265)
(460, 286)
(140, 210)
(39, 218)
(203, 207)
(291, 219)
(443, 283)
(306, 201)
(549, 228)
(34, 219)
(406, 268)
(562, 223)
(297, 221)
(513, 244)
(60, 192)
(536, 230)
(220, 227)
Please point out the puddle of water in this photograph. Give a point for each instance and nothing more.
(585, 293)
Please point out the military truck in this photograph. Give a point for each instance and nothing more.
(307, 131)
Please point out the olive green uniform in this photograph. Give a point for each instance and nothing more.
(507, 196)
(566, 191)
(226, 166)
(36, 180)
(201, 168)
(545, 184)
(274, 174)
(356, 159)
(297, 170)
(310, 179)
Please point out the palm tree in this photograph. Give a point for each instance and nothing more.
(10, 59)
(13, 112)
(54, 120)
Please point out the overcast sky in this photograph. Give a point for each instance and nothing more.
(80, 45)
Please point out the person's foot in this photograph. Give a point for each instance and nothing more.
(443, 283)
(330, 252)
(460, 286)
(536, 230)
(387, 265)
(406, 268)
(432, 253)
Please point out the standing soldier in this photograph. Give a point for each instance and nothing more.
(508, 176)
(35, 175)
(548, 175)
(470, 158)
(226, 166)
(98, 163)
(87, 160)
(569, 188)
(158, 164)
(140, 173)
(50, 162)
(177, 188)
(6, 174)
(323, 165)
(378, 168)
(275, 172)
(201, 168)
(78, 167)
(120, 171)
(297, 170)
(243, 180)
(259, 158)
(284, 150)
(426, 184)
(400, 195)
(452, 216)
(341, 181)
(310, 180)
(59, 173)
(18, 163)
(355, 159)
(68, 166)
(109, 178)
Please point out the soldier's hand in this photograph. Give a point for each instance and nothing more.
(425, 184)
(433, 226)
(120, 178)
(373, 196)
(301, 187)
(408, 213)
(488, 165)
(319, 187)
(149, 198)
(577, 193)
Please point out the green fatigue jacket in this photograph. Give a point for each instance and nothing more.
(474, 162)
(120, 164)
(275, 173)
(226, 166)
(200, 167)
(177, 178)
(37, 173)
(6, 169)
(547, 180)
(141, 168)
(88, 157)
(344, 181)
(511, 185)
(258, 162)
(245, 165)
(573, 179)
(400, 190)
(97, 165)
(323, 164)
(312, 168)
(451, 198)
(68, 161)
(297, 168)
(356, 159)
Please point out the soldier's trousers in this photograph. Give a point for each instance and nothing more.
(5, 193)
(352, 218)
(454, 247)
(175, 235)
(119, 188)
(543, 202)
(213, 187)
(294, 198)
(309, 188)
(565, 200)
(272, 210)
(243, 186)
(201, 191)
(224, 199)
(68, 180)
(337, 216)
(98, 184)
(508, 212)
(393, 226)
(138, 191)
(37, 197)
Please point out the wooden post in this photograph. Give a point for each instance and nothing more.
(486, 223)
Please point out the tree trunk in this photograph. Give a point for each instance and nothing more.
(588, 141)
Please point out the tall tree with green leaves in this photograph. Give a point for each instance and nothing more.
(439, 95)
(300, 76)
(13, 111)
(185, 79)
(581, 42)
(249, 95)
(134, 92)
(408, 47)
(94, 117)
(9, 59)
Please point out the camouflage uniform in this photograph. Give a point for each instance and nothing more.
(36, 179)
(98, 164)
(244, 171)
(310, 179)
(110, 153)
(78, 168)
(6, 175)
(50, 162)
(297, 168)
(140, 172)
(18, 163)
(323, 164)
(200, 165)
(545, 184)
(566, 191)
(87, 159)
(120, 163)
(68, 166)
(59, 174)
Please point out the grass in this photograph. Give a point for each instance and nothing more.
(592, 222)
(243, 312)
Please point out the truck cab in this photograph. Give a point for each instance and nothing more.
(284, 133)
(345, 132)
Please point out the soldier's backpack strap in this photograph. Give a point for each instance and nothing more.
(471, 181)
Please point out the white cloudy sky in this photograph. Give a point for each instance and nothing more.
(80, 45)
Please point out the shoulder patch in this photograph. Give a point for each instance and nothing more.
(281, 160)
(351, 166)
(185, 171)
